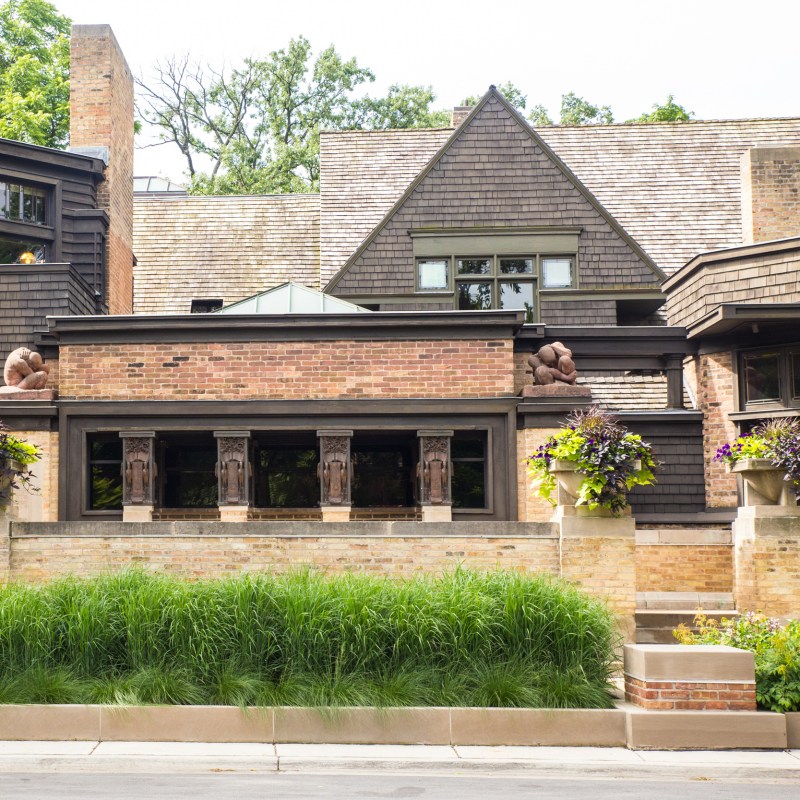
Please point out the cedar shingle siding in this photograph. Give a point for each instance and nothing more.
(494, 175)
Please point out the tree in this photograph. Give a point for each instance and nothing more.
(256, 125)
(669, 112)
(538, 116)
(577, 111)
(34, 73)
(403, 107)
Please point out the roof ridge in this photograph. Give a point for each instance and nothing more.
(670, 123)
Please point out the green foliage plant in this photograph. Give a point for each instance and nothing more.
(34, 73)
(15, 456)
(668, 112)
(776, 649)
(611, 459)
(464, 638)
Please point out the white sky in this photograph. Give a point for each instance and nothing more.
(720, 58)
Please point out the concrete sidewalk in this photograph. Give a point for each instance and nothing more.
(172, 757)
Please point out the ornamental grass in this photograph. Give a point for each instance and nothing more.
(465, 638)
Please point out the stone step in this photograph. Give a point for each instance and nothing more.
(654, 626)
(708, 601)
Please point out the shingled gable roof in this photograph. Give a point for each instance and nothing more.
(445, 149)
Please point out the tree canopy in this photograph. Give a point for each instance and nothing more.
(34, 73)
(669, 112)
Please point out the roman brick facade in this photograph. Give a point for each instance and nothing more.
(101, 116)
(690, 695)
(684, 567)
(715, 380)
(770, 193)
(277, 370)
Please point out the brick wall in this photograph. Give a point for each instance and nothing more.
(101, 115)
(39, 558)
(288, 370)
(770, 193)
(684, 568)
(715, 398)
(694, 696)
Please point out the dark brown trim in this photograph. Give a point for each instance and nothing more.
(29, 416)
(386, 326)
(729, 318)
(35, 154)
(496, 416)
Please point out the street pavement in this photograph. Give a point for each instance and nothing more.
(155, 770)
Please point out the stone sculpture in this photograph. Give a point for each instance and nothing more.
(231, 470)
(25, 370)
(139, 471)
(553, 363)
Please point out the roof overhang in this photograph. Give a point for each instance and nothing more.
(730, 319)
(775, 246)
(391, 326)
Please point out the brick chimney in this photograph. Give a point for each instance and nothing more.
(101, 123)
(459, 114)
(770, 193)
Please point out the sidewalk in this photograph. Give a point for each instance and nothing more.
(172, 757)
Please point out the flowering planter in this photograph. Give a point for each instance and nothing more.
(569, 480)
(763, 483)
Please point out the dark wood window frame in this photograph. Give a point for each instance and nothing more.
(788, 377)
(48, 234)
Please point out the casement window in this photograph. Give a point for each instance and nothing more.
(205, 306)
(468, 457)
(486, 282)
(22, 203)
(105, 472)
(769, 378)
(21, 251)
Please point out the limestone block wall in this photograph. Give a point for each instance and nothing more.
(287, 370)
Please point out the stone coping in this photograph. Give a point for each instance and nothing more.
(700, 663)
(378, 529)
(624, 726)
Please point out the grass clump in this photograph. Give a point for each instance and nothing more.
(465, 638)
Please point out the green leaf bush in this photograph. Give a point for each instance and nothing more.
(465, 638)
(776, 649)
(13, 453)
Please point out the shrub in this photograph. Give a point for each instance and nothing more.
(495, 638)
(612, 459)
(13, 452)
(776, 649)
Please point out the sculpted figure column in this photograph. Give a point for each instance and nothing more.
(233, 474)
(335, 472)
(139, 475)
(434, 474)
(25, 375)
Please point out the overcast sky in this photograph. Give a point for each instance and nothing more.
(720, 58)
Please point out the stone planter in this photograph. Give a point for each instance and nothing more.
(763, 483)
(568, 481)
